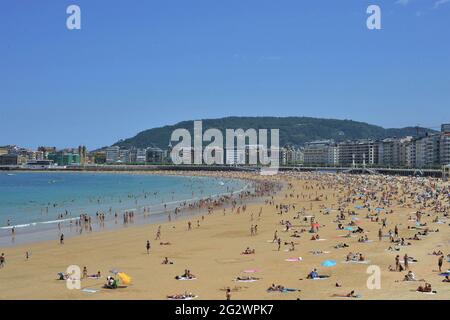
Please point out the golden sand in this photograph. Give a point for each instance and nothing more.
(213, 254)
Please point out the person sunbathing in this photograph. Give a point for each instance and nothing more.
(341, 245)
(248, 251)
(274, 288)
(409, 276)
(181, 296)
(164, 243)
(166, 261)
(98, 275)
(186, 275)
(313, 274)
(246, 278)
(351, 294)
(446, 279)
(316, 237)
(426, 288)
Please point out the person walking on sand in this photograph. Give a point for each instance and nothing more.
(279, 244)
(2, 260)
(397, 262)
(380, 234)
(440, 261)
(405, 260)
(148, 247)
(189, 225)
(61, 239)
(228, 294)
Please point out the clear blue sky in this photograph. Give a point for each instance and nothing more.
(135, 65)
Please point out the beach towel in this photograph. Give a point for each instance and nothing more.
(328, 263)
(359, 262)
(320, 277)
(249, 280)
(184, 298)
(285, 290)
(294, 259)
(251, 270)
(432, 292)
(358, 296)
(90, 290)
(184, 278)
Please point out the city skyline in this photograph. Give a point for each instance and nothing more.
(137, 66)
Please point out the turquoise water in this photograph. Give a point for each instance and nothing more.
(31, 198)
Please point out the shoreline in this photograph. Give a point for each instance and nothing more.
(34, 232)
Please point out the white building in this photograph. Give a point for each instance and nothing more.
(112, 154)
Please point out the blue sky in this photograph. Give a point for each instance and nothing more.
(135, 65)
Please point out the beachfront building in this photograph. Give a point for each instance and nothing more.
(12, 159)
(444, 147)
(291, 155)
(138, 155)
(124, 156)
(410, 153)
(394, 152)
(112, 154)
(428, 151)
(63, 158)
(358, 152)
(154, 155)
(323, 152)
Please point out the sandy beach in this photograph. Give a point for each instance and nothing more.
(212, 249)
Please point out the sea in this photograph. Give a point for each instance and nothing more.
(41, 205)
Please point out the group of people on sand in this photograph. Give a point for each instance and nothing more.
(356, 257)
(186, 275)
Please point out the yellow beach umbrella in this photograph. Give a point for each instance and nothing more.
(124, 278)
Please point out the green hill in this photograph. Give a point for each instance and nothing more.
(293, 130)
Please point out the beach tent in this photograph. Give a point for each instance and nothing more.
(328, 263)
(124, 278)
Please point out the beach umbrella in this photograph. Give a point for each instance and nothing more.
(315, 225)
(124, 278)
(328, 263)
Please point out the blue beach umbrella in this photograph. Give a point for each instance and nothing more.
(378, 209)
(358, 207)
(328, 263)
